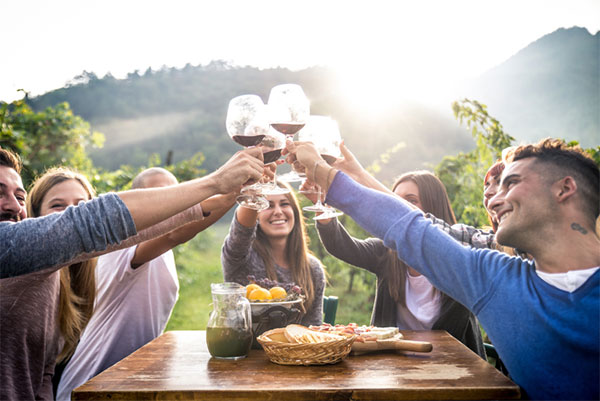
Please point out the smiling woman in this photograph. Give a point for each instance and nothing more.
(273, 244)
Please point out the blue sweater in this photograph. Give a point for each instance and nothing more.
(548, 339)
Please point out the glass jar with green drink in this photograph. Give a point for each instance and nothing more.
(229, 327)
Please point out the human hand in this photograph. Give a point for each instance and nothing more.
(246, 166)
(301, 155)
(309, 190)
(348, 163)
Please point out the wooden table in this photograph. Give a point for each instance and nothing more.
(177, 365)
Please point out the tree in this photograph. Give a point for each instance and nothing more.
(57, 137)
(47, 138)
(463, 174)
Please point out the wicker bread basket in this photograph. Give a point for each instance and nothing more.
(285, 353)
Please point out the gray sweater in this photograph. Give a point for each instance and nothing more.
(56, 239)
(29, 334)
(239, 259)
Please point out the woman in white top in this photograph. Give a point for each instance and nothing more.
(404, 298)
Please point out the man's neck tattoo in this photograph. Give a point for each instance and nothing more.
(577, 227)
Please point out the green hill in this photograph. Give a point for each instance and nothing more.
(550, 88)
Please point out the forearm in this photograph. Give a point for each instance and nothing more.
(153, 205)
(56, 240)
(236, 247)
(366, 254)
(433, 253)
(366, 179)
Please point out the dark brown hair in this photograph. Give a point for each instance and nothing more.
(560, 160)
(11, 160)
(434, 200)
(494, 171)
(297, 252)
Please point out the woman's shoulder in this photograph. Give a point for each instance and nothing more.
(316, 266)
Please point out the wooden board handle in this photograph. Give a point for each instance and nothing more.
(396, 344)
(416, 346)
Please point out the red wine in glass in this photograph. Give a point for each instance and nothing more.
(272, 155)
(248, 141)
(288, 129)
(329, 159)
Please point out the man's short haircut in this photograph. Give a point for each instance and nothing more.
(139, 180)
(11, 160)
(561, 160)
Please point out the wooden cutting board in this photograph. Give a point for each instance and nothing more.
(396, 343)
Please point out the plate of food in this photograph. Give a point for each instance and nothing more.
(273, 305)
(372, 338)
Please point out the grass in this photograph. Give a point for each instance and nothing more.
(199, 265)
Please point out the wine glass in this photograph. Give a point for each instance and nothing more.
(272, 144)
(324, 133)
(247, 124)
(289, 109)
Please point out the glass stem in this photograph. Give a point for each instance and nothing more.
(319, 204)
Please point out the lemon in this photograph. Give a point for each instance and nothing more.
(250, 288)
(278, 293)
(260, 294)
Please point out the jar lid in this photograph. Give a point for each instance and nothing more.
(227, 288)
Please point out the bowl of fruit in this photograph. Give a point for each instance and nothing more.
(273, 305)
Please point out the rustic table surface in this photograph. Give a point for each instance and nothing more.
(177, 366)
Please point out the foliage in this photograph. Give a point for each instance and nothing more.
(463, 174)
(57, 137)
(183, 110)
(52, 137)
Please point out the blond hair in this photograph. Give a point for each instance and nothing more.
(77, 281)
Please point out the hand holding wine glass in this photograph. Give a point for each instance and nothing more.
(247, 124)
(272, 145)
(324, 133)
(289, 110)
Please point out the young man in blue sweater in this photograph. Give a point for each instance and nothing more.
(542, 315)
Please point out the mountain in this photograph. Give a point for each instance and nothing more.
(549, 88)
(184, 110)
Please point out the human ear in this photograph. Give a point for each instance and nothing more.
(565, 188)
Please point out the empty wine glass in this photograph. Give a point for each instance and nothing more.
(289, 109)
(247, 124)
(324, 133)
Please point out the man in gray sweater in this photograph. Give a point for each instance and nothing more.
(32, 249)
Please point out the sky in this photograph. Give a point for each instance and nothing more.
(416, 47)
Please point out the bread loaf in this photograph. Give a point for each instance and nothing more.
(296, 333)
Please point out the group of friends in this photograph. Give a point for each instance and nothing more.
(85, 280)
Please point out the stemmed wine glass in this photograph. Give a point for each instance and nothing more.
(272, 144)
(324, 133)
(247, 124)
(289, 109)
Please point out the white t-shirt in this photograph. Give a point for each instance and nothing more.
(423, 304)
(567, 281)
(132, 308)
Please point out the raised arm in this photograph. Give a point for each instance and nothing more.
(55, 240)
(235, 253)
(350, 165)
(369, 254)
(151, 205)
(215, 207)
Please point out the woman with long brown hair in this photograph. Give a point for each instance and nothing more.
(273, 244)
(404, 298)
